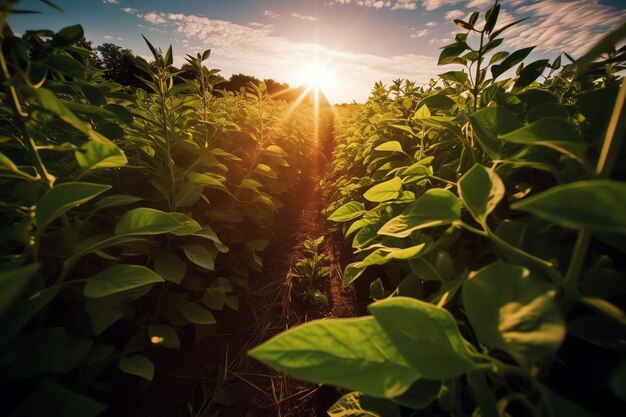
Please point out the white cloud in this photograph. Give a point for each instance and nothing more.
(419, 33)
(455, 14)
(108, 37)
(129, 10)
(270, 14)
(110, 2)
(479, 4)
(404, 5)
(154, 18)
(431, 24)
(303, 17)
(256, 50)
(571, 26)
(435, 4)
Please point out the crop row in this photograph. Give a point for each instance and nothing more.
(128, 217)
(486, 214)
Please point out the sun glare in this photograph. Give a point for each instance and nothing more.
(318, 77)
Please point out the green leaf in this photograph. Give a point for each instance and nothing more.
(450, 53)
(490, 123)
(352, 353)
(116, 201)
(48, 101)
(52, 400)
(481, 190)
(594, 205)
(389, 146)
(119, 278)
(68, 36)
(277, 150)
(347, 212)
(530, 73)
(64, 197)
(356, 404)
(163, 335)
(435, 207)
(197, 314)
(509, 309)
(551, 132)
(148, 221)
(384, 191)
(169, 266)
(48, 350)
(510, 61)
(105, 311)
(200, 256)
(13, 282)
(95, 155)
(266, 171)
(206, 180)
(426, 335)
(137, 365)
(20, 313)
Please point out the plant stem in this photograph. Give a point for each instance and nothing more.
(477, 78)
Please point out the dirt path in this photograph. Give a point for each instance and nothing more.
(276, 303)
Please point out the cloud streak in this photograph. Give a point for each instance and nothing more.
(256, 49)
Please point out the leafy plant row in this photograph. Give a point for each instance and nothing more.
(486, 212)
(128, 217)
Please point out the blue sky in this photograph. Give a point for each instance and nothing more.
(361, 41)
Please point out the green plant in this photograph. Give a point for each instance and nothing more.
(312, 267)
(492, 211)
(127, 219)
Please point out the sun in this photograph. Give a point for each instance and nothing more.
(318, 77)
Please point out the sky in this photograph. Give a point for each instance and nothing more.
(351, 44)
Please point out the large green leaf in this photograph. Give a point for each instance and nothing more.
(137, 365)
(148, 221)
(384, 191)
(509, 309)
(52, 400)
(64, 197)
(352, 353)
(20, 313)
(169, 266)
(48, 350)
(348, 211)
(119, 278)
(426, 335)
(95, 155)
(594, 205)
(551, 132)
(200, 256)
(13, 282)
(490, 123)
(197, 314)
(510, 61)
(435, 207)
(355, 404)
(481, 190)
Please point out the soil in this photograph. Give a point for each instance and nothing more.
(186, 384)
(279, 304)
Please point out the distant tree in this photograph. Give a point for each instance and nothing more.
(237, 82)
(118, 65)
(274, 87)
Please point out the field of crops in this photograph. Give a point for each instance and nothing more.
(150, 237)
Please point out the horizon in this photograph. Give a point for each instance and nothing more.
(293, 41)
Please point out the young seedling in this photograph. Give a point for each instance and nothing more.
(311, 267)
